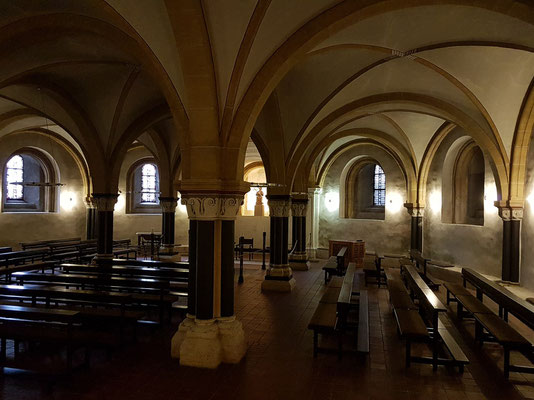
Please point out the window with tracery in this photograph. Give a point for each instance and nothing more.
(379, 187)
(14, 178)
(149, 184)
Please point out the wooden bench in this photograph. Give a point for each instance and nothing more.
(143, 291)
(430, 307)
(496, 326)
(335, 265)
(375, 271)
(173, 274)
(421, 264)
(332, 313)
(20, 323)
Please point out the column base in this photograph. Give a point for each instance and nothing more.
(178, 338)
(102, 259)
(276, 285)
(208, 343)
(233, 341)
(299, 265)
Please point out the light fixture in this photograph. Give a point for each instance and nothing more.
(434, 201)
(331, 201)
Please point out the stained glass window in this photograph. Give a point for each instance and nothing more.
(149, 184)
(14, 178)
(379, 188)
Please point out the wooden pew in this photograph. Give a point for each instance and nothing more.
(332, 313)
(430, 307)
(335, 265)
(149, 263)
(154, 292)
(421, 264)
(44, 296)
(174, 274)
(53, 325)
(499, 330)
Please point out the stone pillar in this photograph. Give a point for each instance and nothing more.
(299, 258)
(511, 242)
(104, 204)
(279, 276)
(90, 219)
(168, 211)
(315, 196)
(416, 238)
(210, 334)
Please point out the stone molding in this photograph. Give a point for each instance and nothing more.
(212, 206)
(89, 203)
(168, 204)
(104, 201)
(279, 207)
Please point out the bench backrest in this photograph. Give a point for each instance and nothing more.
(429, 304)
(340, 257)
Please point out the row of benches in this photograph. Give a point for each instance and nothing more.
(490, 326)
(63, 250)
(342, 310)
(421, 322)
(90, 306)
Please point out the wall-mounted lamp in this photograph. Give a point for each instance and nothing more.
(67, 201)
(331, 201)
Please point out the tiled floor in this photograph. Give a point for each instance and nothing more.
(279, 362)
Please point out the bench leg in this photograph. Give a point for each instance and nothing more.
(408, 353)
(315, 343)
(506, 362)
(460, 311)
(340, 346)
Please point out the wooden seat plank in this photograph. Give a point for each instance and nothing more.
(503, 333)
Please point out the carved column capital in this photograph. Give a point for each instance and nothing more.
(89, 203)
(279, 206)
(104, 201)
(511, 213)
(299, 207)
(210, 206)
(415, 210)
(168, 204)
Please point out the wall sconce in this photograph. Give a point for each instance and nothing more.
(67, 201)
(331, 201)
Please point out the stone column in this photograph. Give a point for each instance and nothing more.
(299, 258)
(168, 211)
(90, 219)
(315, 195)
(104, 204)
(279, 276)
(210, 334)
(416, 238)
(511, 242)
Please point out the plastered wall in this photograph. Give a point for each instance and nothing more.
(391, 235)
(478, 247)
(69, 221)
(527, 227)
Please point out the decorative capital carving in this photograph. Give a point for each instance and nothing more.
(104, 201)
(511, 213)
(211, 206)
(299, 207)
(315, 190)
(279, 206)
(168, 204)
(415, 210)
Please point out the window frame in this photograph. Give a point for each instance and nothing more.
(134, 189)
(20, 198)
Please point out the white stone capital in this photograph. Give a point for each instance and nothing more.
(212, 206)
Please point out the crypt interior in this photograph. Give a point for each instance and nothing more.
(185, 182)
